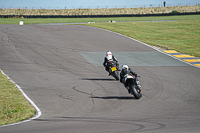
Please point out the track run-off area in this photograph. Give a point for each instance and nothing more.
(59, 67)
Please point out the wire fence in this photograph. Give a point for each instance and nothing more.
(100, 7)
(126, 11)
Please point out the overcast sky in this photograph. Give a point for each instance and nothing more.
(89, 3)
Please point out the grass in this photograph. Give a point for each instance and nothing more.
(13, 106)
(181, 34)
(80, 20)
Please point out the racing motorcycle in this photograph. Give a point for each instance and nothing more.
(113, 69)
(134, 86)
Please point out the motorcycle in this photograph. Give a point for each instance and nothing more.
(113, 69)
(134, 86)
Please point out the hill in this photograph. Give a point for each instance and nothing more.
(113, 11)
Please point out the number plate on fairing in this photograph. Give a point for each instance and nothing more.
(113, 69)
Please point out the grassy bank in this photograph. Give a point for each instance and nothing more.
(106, 11)
(13, 106)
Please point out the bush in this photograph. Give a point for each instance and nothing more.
(175, 11)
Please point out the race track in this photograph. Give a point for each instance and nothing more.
(60, 69)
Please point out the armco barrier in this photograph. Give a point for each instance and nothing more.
(96, 16)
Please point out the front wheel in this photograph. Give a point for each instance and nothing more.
(115, 74)
(136, 92)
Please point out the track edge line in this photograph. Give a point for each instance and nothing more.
(38, 114)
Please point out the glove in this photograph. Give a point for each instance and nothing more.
(135, 74)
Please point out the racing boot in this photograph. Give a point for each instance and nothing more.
(128, 89)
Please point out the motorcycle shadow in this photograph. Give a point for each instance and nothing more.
(116, 97)
(98, 79)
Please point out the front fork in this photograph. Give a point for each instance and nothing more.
(137, 83)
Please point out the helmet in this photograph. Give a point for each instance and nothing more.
(124, 67)
(109, 55)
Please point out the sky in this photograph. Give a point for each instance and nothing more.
(69, 4)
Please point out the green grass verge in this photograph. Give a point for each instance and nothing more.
(182, 34)
(28, 21)
(13, 106)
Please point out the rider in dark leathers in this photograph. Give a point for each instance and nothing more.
(110, 57)
(126, 70)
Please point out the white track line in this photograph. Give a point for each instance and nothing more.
(39, 113)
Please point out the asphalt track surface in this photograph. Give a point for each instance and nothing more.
(60, 69)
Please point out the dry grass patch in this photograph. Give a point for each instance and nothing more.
(114, 11)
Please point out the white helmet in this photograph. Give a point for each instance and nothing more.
(124, 67)
(109, 55)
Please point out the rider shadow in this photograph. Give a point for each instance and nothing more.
(116, 97)
(98, 79)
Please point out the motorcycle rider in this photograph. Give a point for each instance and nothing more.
(126, 70)
(110, 57)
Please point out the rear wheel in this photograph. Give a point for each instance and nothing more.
(136, 92)
(116, 76)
